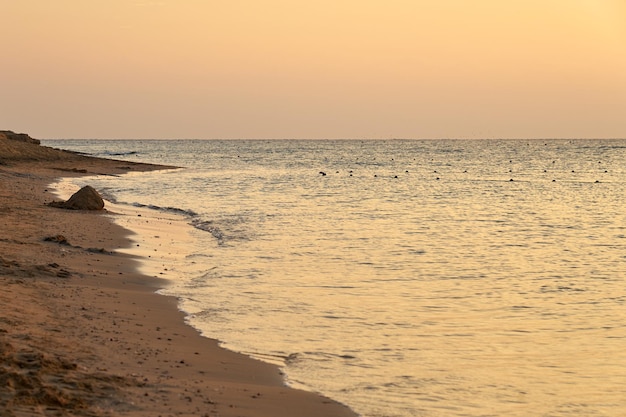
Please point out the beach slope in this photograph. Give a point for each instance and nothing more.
(82, 333)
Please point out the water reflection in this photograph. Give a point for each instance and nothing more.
(415, 278)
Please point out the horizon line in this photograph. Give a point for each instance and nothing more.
(340, 139)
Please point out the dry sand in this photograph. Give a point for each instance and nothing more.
(82, 333)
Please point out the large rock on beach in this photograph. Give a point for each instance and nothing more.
(87, 198)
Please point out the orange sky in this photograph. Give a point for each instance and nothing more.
(323, 69)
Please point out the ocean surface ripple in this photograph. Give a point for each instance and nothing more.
(405, 277)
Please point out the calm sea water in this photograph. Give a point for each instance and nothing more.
(415, 278)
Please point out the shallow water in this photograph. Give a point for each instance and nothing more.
(430, 278)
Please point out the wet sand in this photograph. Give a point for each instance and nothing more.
(82, 332)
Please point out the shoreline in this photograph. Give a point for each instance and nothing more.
(86, 334)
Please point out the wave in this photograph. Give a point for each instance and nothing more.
(174, 210)
(196, 221)
(109, 153)
(209, 226)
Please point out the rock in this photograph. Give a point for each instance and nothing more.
(64, 273)
(60, 239)
(87, 198)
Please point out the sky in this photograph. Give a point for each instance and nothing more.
(229, 69)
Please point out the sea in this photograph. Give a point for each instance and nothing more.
(403, 277)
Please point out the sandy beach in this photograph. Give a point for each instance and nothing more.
(83, 333)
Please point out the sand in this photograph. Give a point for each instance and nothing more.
(83, 333)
